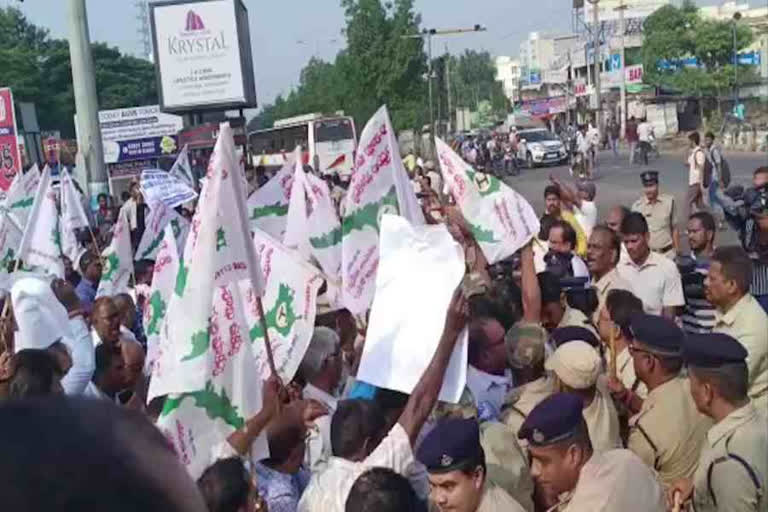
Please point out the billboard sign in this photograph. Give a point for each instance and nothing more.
(10, 158)
(138, 133)
(202, 55)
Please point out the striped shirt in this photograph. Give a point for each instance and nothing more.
(699, 313)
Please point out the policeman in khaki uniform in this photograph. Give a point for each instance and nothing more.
(668, 433)
(732, 473)
(659, 212)
(456, 464)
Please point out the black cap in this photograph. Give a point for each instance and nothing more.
(451, 444)
(563, 335)
(659, 334)
(649, 178)
(712, 350)
(554, 419)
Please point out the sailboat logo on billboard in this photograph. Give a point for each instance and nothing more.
(194, 22)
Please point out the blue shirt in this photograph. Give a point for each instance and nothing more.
(280, 491)
(86, 292)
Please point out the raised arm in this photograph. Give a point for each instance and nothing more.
(424, 395)
(567, 193)
(529, 285)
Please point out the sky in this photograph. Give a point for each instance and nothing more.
(285, 34)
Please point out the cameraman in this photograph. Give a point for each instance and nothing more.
(698, 312)
(747, 213)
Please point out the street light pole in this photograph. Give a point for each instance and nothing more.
(736, 17)
(623, 100)
(429, 84)
(597, 57)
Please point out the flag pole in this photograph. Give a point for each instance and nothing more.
(614, 356)
(263, 321)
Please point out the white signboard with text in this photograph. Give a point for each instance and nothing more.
(198, 54)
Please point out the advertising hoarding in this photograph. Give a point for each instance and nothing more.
(138, 133)
(10, 158)
(202, 55)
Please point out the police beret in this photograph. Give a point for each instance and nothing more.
(573, 333)
(452, 443)
(712, 350)
(649, 177)
(554, 419)
(659, 334)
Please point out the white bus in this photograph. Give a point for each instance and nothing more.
(328, 143)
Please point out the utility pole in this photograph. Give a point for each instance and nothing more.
(598, 58)
(621, 8)
(448, 87)
(736, 18)
(427, 34)
(86, 100)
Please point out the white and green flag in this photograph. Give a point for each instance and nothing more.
(268, 205)
(379, 185)
(160, 216)
(117, 261)
(72, 215)
(208, 361)
(40, 248)
(21, 195)
(500, 219)
(10, 240)
(181, 168)
(312, 227)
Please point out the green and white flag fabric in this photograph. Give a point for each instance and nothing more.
(313, 228)
(268, 205)
(10, 240)
(40, 248)
(500, 219)
(290, 305)
(181, 168)
(117, 261)
(163, 281)
(72, 216)
(21, 195)
(379, 185)
(160, 216)
(208, 359)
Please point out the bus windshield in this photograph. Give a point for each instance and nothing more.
(333, 130)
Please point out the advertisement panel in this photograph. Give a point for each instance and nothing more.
(10, 158)
(202, 55)
(138, 133)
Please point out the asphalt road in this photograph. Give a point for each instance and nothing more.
(619, 183)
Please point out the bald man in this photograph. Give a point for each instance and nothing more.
(105, 322)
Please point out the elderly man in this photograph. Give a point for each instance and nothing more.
(358, 439)
(576, 366)
(562, 243)
(668, 433)
(653, 278)
(458, 480)
(321, 370)
(603, 251)
(732, 472)
(571, 476)
(105, 322)
(554, 207)
(740, 316)
(90, 270)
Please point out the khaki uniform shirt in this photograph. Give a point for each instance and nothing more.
(521, 401)
(660, 216)
(668, 433)
(747, 322)
(573, 317)
(743, 434)
(656, 282)
(615, 481)
(602, 421)
(507, 463)
(495, 499)
(328, 490)
(625, 370)
(610, 281)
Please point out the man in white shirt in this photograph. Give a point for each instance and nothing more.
(488, 377)
(108, 377)
(356, 428)
(645, 136)
(696, 162)
(654, 279)
(321, 369)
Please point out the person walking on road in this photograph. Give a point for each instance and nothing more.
(697, 160)
(645, 136)
(631, 138)
(614, 131)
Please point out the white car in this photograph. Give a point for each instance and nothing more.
(540, 147)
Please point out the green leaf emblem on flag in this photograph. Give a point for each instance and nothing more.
(56, 237)
(279, 317)
(216, 405)
(7, 259)
(482, 235)
(485, 183)
(275, 209)
(111, 264)
(157, 313)
(23, 203)
(221, 240)
(201, 340)
(152, 246)
(181, 278)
